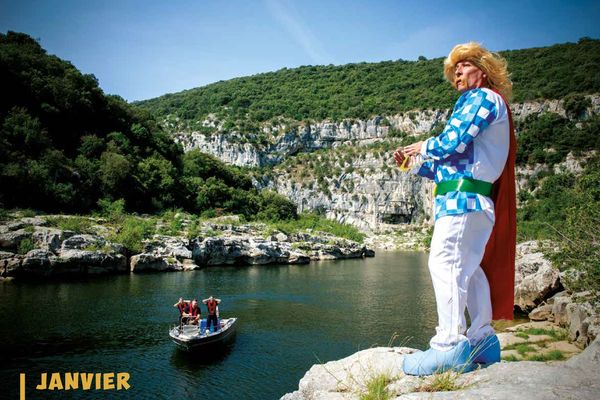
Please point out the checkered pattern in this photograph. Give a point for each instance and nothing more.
(451, 155)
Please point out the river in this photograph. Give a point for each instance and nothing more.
(290, 317)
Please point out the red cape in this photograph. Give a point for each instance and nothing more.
(499, 259)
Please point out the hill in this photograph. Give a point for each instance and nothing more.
(366, 89)
(66, 146)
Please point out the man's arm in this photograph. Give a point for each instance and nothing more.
(425, 170)
(472, 117)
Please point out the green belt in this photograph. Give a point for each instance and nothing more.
(463, 185)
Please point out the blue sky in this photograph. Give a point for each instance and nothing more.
(140, 49)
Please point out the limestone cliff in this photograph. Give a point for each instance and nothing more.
(366, 190)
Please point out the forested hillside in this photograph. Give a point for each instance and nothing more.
(366, 89)
(65, 146)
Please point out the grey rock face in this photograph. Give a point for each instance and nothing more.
(50, 238)
(10, 240)
(377, 198)
(535, 277)
(244, 250)
(375, 194)
(541, 313)
(89, 262)
(151, 263)
(60, 252)
(168, 246)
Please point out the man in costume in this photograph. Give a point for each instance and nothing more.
(473, 245)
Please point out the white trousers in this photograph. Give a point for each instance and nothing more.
(457, 249)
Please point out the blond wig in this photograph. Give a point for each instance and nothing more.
(492, 64)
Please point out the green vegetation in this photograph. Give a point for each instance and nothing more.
(316, 222)
(555, 334)
(565, 209)
(553, 355)
(132, 232)
(367, 89)
(97, 247)
(533, 349)
(523, 348)
(76, 224)
(548, 138)
(25, 246)
(447, 381)
(376, 388)
(67, 147)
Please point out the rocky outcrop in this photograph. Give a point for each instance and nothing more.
(527, 380)
(539, 292)
(164, 253)
(374, 196)
(535, 277)
(285, 140)
(149, 262)
(298, 249)
(56, 252)
(577, 314)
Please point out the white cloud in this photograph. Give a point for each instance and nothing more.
(289, 19)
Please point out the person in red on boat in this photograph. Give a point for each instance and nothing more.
(211, 305)
(182, 306)
(192, 313)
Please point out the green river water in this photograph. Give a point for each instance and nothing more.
(290, 317)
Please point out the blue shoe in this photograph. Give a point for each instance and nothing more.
(435, 361)
(487, 351)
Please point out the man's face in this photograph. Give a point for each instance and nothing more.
(468, 76)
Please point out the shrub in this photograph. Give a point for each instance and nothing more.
(376, 388)
(132, 232)
(316, 222)
(25, 246)
(75, 224)
(113, 210)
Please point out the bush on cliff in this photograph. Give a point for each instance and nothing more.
(566, 210)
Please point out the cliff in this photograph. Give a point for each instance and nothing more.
(346, 169)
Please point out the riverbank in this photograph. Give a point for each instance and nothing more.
(45, 246)
(541, 359)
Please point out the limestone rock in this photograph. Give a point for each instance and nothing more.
(50, 238)
(535, 277)
(541, 313)
(10, 240)
(151, 263)
(189, 265)
(168, 246)
(578, 316)
(89, 262)
(371, 193)
(523, 380)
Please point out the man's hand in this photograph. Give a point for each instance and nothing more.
(399, 157)
(413, 149)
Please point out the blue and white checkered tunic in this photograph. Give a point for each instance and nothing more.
(474, 144)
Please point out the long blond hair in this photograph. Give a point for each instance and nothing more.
(492, 64)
